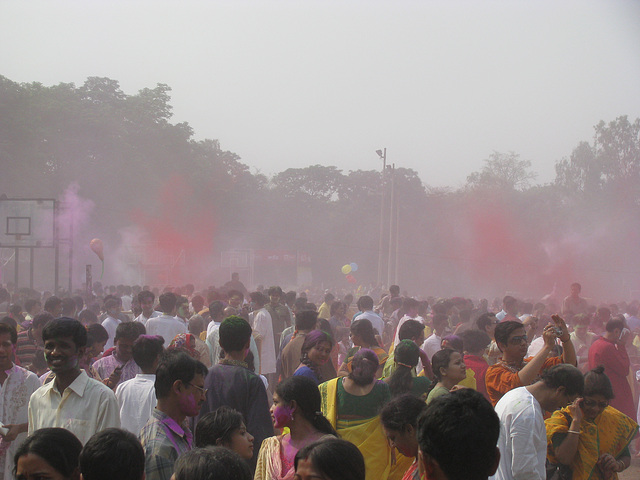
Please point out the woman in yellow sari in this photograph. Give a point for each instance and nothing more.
(589, 435)
(352, 405)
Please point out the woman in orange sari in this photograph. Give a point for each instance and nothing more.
(589, 435)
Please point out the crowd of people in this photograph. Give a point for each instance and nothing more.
(133, 382)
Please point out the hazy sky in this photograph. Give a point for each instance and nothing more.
(290, 84)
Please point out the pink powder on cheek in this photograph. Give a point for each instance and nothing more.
(282, 415)
(188, 404)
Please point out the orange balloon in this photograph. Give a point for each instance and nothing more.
(97, 247)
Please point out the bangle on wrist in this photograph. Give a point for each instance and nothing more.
(577, 432)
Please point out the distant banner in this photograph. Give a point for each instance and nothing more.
(281, 257)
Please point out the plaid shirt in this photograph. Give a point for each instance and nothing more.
(163, 441)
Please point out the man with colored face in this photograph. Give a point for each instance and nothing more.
(17, 385)
(180, 391)
(72, 400)
(120, 366)
(146, 300)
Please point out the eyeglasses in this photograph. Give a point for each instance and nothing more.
(203, 391)
(518, 340)
(592, 403)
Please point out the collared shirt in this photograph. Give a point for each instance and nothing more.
(106, 365)
(142, 319)
(110, 324)
(374, 318)
(14, 402)
(84, 408)
(166, 326)
(432, 344)
(163, 440)
(523, 437)
(136, 399)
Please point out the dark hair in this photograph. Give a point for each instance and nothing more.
(406, 356)
(58, 447)
(88, 317)
(235, 332)
(29, 303)
(460, 432)
(274, 291)
(111, 302)
(394, 289)
(564, 375)
(505, 329)
(176, 365)
(307, 396)
(233, 293)
(334, 459)
(364, 366)
(66, 327)
(485, 320)
(439, 318)
(475, 340)
(216, 308)
(146, 294)
(441, 359)
(10, 322)
(52, 303)
(409, 303)
(211, 463)
(112, 453)
(454, 342)
(312, 339)
(402, 411)
(128, 331)
(5, 328)
(615, 322)
(364, 329)
(96, 333)
(366, 302)
(410, 329)
(258, 298)
(306, 319)
(68, 306)
(334, 307)
(168, 301)
(146, 349)
(596, 382)
(218, 426)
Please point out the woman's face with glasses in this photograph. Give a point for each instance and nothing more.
(593, 405)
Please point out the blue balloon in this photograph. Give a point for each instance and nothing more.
(354, 267)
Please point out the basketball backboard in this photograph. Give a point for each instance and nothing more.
(27, 223)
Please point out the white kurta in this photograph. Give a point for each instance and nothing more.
(14, 402)
(136, 399)
(263, 328)
(523, 437)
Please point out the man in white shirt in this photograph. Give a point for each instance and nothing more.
(433, 342)
(410, 307)
(263, 335)
(16, 386)
(110, 324)
(137, 397)
(365, 304)
(166, 325)
(71, 400)
(146, 300)
(523, 438)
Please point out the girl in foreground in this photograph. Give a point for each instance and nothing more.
(296, 405)
(399, 419)
(331, 459)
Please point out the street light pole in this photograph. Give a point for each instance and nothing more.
(383, 157)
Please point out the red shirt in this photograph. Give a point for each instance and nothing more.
(479, 366)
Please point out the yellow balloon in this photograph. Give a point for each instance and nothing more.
(346, 269)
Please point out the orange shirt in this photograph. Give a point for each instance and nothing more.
(501, 378)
